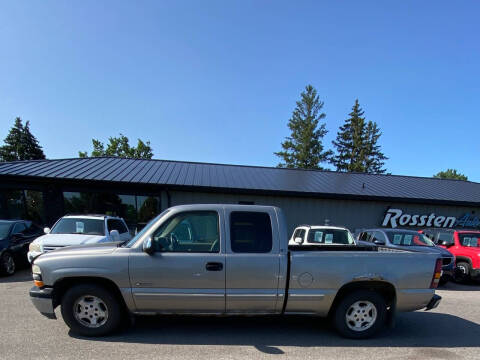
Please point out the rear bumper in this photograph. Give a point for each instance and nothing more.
(42, 299)
(433, 302)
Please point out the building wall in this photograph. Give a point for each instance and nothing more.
(354, 214)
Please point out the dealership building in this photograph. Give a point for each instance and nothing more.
(137, 189)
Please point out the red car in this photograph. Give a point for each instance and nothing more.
(465, 245)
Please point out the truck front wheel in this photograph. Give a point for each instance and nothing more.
(360, 314)
(90, 310)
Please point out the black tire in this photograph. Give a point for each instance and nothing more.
(110, 302)
(462, 272)
(7, 264)
(363, 297)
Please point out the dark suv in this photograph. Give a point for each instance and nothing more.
(15, 236)
(408, 240)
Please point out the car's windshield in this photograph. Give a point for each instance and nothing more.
(4, 230)
(81, 226)
(145, 229)
(330, 236)
(409, 239)
(470, 240)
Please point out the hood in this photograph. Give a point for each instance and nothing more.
(69, 239)
(90, 250)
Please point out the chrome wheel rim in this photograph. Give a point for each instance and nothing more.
(90, 311)
(9, 263)
(361, 316)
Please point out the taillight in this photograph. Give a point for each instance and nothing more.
(437, 274)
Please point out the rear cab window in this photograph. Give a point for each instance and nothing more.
(116, 224)
(250, 232)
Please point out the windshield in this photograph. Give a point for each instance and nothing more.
(470, 240)
(145, 229)
(409, 239)
(79, 226)
(330, 236)
(4, 230)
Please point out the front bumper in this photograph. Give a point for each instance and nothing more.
(433, 303)
(42, 299)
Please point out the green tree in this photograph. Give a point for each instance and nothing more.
(120, 147)
(21, 144)
(356, 145)
(450, 174)
(304, 148)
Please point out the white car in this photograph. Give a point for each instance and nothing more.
(79, 230)
(321, 235)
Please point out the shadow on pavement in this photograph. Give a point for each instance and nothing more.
(266, 334)
(452, 286)
(21, 275)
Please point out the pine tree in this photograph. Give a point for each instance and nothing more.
(357, 146)
(304, 148)
(374, 161)
(21, 144)
(33, 150)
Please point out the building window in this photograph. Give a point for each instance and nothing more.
(136, 210)
(22, 204)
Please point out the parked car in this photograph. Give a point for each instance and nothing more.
(225, 260)
(465, 245)
(79, 230)
(409, 240)
(321, 235)
(15, 236)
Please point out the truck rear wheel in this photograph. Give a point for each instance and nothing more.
(360, 315)
(91, 310)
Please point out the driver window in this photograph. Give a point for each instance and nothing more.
(195, 232)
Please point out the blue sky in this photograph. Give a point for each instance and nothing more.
(216, 81)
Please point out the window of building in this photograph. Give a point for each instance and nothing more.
(136, 210)
(250, 232)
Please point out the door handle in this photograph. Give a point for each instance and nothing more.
(214, 266)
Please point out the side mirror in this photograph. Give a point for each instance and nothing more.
(46, 230)
(148, 246)
(378, 242)
(298, 240)
(115, 235)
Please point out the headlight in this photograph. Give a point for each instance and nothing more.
(36, 270)
(34, 247)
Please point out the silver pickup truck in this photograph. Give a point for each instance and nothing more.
(230, 260)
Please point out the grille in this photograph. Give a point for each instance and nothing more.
(446, 260)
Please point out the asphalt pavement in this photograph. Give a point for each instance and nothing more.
(452, 331)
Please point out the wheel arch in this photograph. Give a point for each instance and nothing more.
(62, 285)
(384, 288)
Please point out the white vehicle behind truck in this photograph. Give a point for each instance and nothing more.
(79, 230)
(321, 235)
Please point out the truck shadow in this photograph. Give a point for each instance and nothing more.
(268, 334)
(468, 286)
(21, 275)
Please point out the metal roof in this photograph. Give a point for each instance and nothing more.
(179, 174)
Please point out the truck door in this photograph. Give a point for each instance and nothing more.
(252, 261)
(186, 273)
